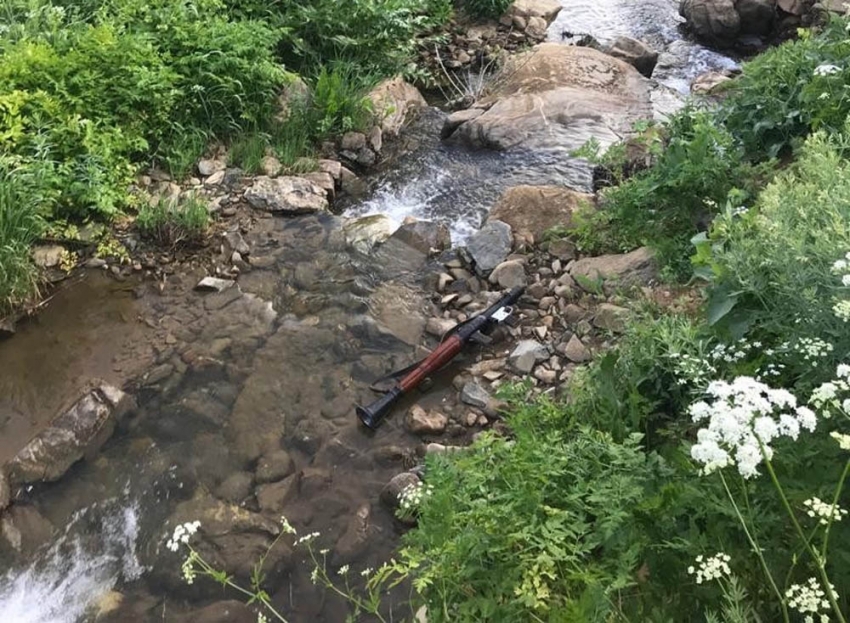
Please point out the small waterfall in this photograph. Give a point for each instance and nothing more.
(95, 550)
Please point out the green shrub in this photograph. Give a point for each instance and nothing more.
(247, 152)
(171, 223)
(537, 528)
(789, 91)
(698, 167)
(486, 8)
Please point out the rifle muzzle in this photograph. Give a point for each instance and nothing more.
(372, 414)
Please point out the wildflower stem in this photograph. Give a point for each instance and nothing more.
(819, 562)
(832, 515)
(757, 550)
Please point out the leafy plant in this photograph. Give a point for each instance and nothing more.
(486, 8)
(20, 225)
(172, 223)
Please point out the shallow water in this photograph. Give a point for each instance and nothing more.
(277, 367)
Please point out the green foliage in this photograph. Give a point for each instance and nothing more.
(486, 8)
(541, 527)
(20, 225)
(782, 95)
(247, 152)
(698, 167)
(379, 35)
(171, 223)
(771, 266)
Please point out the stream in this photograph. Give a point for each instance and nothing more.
(269, 369)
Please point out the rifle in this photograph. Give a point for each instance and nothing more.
(450, 345)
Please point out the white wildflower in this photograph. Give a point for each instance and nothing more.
(843, 440)
(823, 96)
(823, 511)
(842, 310)
(839, 267)
(367, 572)
(412, 495)
(826, 70)
(188, 568)
(712, 568)
(743, 418)
(809, 598)
(314, 575)
(285, 526)
(343, 570)
(307, 538)
(261, 618)
(182, 534)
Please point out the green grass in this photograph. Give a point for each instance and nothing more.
(171, 223)
(248, 150)
(19, 228)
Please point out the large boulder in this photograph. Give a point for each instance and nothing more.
(76, 433)
(547, 9)
(535, 209)
(630, 269)
(490, 245)
(757, 16)
(558, 96)
(714, 20)
(636, 53)
(363, 233)
(424, 236)
(286, 195)
(394, 101)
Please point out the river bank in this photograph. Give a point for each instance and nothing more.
(245, 410)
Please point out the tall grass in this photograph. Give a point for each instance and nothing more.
(20, 226)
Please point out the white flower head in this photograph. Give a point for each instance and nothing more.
(825, 513)
(826, 70)
(809, 598)
(843, 440)
(182, 533)
(712, 568)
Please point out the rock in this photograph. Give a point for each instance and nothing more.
(214, 284)
(353, 141)
(547, 9)
(376, 139)
(230, 611)
(420, 422)
(457, 118)
(215, 179)
(438, 327)
(7, 327)
(5, 491)
(77, 433)
(236, 488)
(323, 180)
(490, 245)
(309, 434)
(286, 195)
(207, 167)
(757, 16)
(637, 268)
(798, 7)
(424, 236)
(366, 157)
(474, 395)
(610, 318)
(274, 466)
(536, 28)
(714, 20)
(545, 376)
(331, 167)
(314, 480)
(24, 529)
(558, 96)
(391, 492)
(576, 351)
(526, 354)
(508, 275)
(354, 540)
(272, 497)
(636, 53)
(536, 209)
(710, 82)
(365, 232)
(48, 256)
(563, 249)
(235, 242)
(271, 166)
(394, 101)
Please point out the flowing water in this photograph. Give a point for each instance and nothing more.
(275, 365)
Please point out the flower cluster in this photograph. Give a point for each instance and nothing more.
(690, 369)
(261, 618)
(810, 599)
(733, 353)
(842, 268)
(828, 396)
(813, 348)
(412, 495)
(826, 70)
(712, 568)
(188, 568)
(744, 417)
(182, 534)
(843, 440)
(825, 512)
(307, 538)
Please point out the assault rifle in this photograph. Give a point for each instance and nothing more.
(451, 344)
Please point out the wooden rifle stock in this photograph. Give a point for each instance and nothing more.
(452, 343)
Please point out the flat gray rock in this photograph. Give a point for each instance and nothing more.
(490, 245)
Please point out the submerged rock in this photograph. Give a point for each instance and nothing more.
(354, 540)
(421, 422)
(78, 432)
(424, 236)
(24, 529)
(364, 233)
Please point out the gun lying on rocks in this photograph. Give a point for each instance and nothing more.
(451, 344)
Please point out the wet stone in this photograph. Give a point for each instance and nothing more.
(475, 395)
(272, 497)
(24, 529)
(439, 326)
(508, 275)
(274, 466)
(236, 487)
(214, 284)
(421, 422)
(314, 480)
(354, 541)
(5, 491)
(490, 245)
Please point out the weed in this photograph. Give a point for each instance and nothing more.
(248, 150)
(171, 223)
(19, 227)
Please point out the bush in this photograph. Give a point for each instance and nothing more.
(171, 223)
(537, 528)
(486, 8)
